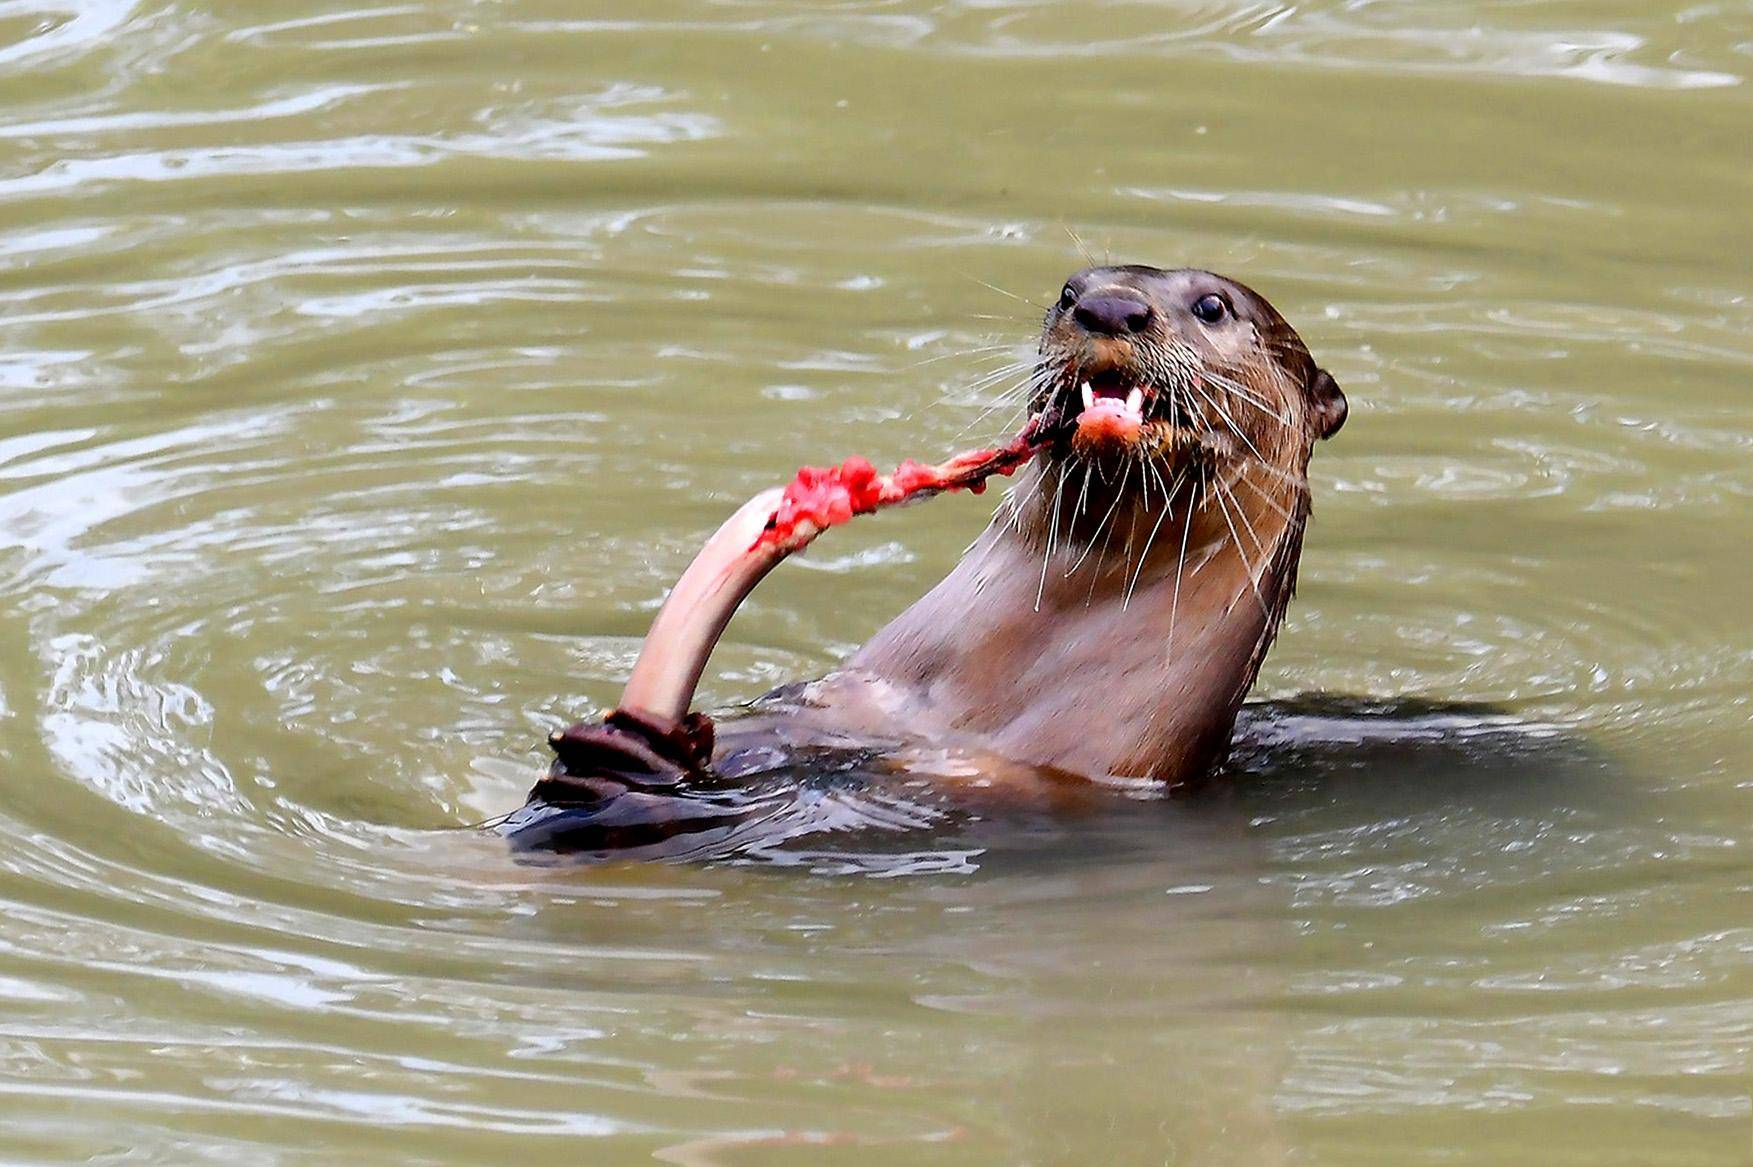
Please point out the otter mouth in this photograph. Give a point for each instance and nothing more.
(1112, 401)
(1113, 409)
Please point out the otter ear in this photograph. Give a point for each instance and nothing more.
(1327, 402)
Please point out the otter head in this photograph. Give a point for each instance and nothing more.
(1178, 366)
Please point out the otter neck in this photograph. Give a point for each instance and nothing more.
(1220, 537)
(1110, 619)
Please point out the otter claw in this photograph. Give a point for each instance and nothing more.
(627, 750)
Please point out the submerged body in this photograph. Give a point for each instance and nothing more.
(1110, 620)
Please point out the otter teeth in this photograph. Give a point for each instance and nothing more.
(1133, 403)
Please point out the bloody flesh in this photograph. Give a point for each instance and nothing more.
(822, 497)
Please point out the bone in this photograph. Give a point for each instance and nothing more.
(761, 533)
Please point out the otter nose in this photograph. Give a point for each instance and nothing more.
(1112, 315)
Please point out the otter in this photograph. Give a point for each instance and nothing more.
(1108, 622)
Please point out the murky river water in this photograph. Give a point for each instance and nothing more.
(369, 372)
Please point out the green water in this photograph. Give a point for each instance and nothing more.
(369, 372)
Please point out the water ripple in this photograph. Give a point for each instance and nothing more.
(369, 372)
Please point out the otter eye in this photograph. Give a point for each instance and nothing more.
(1067, 297)
(1210, 308)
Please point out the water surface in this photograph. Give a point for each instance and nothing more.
(369, 372)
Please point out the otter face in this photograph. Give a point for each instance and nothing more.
(1136, 360)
